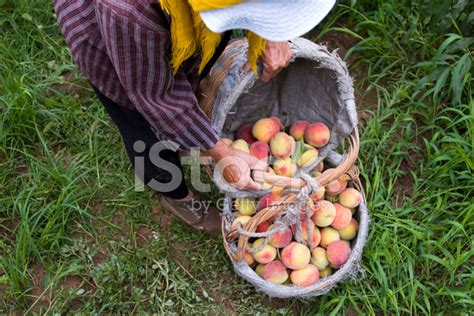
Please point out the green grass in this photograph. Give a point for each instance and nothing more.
(68, 203)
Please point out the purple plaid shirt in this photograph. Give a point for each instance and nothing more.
(123, 48)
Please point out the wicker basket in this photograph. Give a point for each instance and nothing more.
(227, 90)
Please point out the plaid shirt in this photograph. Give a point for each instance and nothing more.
(123, 48)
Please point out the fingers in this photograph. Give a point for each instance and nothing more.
(246, 67)
(252, 185)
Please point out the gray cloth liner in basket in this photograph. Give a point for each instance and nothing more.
(316, 87)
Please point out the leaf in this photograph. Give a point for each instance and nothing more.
(461, 69)
(27, 17)
(299, 148)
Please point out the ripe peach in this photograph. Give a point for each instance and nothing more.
(328, 235)
(308, 157)
(350, 231)
(227, 141)
(267, 200)
(277, 190)
(260, 150)
(317, 135)
(281, 145)
(338, 252)
(305, 276)
(259, 269)
(242, 219)
(350, 198)
(245, 206)
(275, 272)
(264, 129)
(304, 232)
(263, 227)
(265, 185)
(241, 144)
(319, 194)
(298, 128)
(284, 167)
(308, 207)
(336, 186)
(249, 258)
(281, 239)
(319, 167)
(319, 258)
(343, 217)
(267, 254)
(325, 213)
(325, 272)
(245, 133)
(295, 256)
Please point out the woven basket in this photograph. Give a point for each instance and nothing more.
(228, 97)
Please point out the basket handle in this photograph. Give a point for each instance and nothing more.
(279, 181)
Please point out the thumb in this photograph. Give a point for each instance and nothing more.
(246, 67)
(257, 164)
(252, 185)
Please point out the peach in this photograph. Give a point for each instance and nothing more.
(350, 198)
(325, 272)
(343, 217)
(295, 256)
(324, 214)
(227, 141)
(308, 157)
(304, 232)
(267, 254)
(249, 258)
(263, 227)
(305, 276)
(338, 252)
(284, 167)
(245, 206)
(347, 242)
(277, 190)
(298, 128)
(245, 133)
(281, 145)
(317, 135)
(350, 231)
(336, 186)
(275, 272)
(319, 258)
(265, 185)
(264, 129)
(242, 219)
(241, 144)
(319, 194)
(260, 150)
(281, 239)
(267, 200)
(315, 174)
(319, 167)
(328, 235)
(259, 269)
(307, 208)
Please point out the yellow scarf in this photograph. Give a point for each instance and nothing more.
(189, 34)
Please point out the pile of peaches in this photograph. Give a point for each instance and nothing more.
(283, 259)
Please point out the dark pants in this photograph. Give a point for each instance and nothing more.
(133, 127)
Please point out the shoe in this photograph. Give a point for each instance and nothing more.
(194, 214)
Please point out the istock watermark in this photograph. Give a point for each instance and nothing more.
(194, 160)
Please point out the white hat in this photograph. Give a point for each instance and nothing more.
(273, 20)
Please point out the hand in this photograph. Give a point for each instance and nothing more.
(237, 165)
(277, 55)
